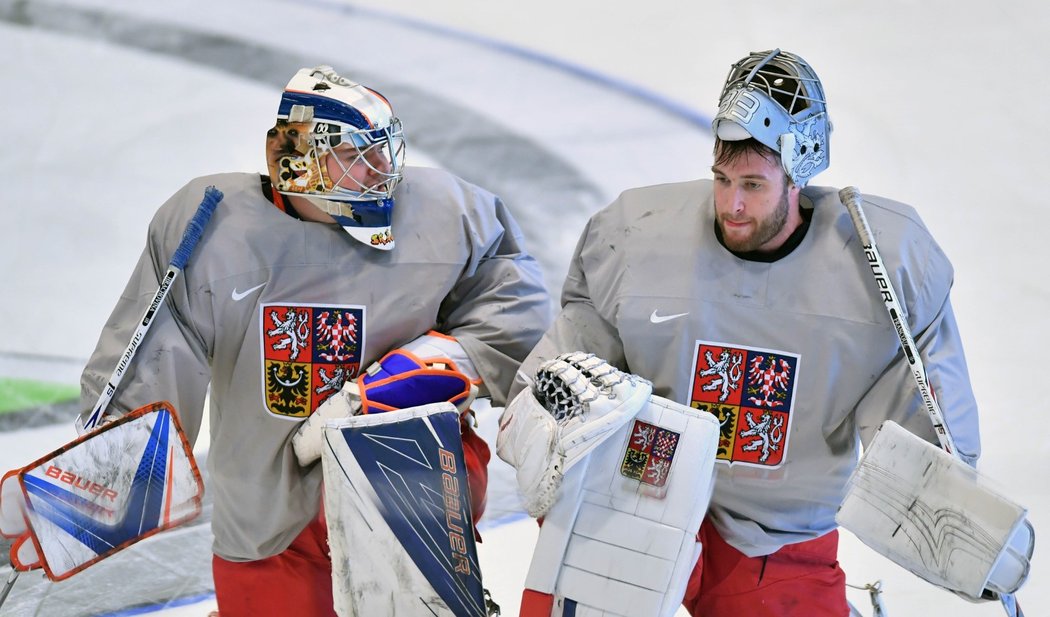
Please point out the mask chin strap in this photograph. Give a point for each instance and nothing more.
(332, 207)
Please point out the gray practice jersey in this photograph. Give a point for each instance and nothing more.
(795, 357)
(276, 313)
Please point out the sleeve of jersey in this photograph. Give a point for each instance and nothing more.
(500, 307)
(894, 395)
(171, 363)
(579, 325)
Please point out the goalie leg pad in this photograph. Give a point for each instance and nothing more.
(399, 515)
(934, 515)
(110, 488)
(621, 537)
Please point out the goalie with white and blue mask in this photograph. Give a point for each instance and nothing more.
(294, 293)
(749, 296)
(338, 146)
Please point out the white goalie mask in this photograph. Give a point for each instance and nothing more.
(777, 99)
(338, 144)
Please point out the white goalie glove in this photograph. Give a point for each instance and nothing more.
(309, 437)
(622, 479)
(577, 401)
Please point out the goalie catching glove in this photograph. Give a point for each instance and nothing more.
(577, 401)
(399, 380)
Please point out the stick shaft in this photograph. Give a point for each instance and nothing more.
(190, 238)
(11, 578)
(851, 198)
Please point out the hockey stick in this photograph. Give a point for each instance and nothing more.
(11, 578)
(190, 237)
(851, 198)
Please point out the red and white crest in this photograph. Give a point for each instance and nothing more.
(649, 453)
(309, 351)
(751, 392)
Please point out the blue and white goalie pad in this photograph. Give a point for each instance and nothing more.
(399, 520)
(94, 496)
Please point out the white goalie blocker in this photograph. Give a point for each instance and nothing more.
(936, 516)
(400, 526)
(620, 536)
(130, 479)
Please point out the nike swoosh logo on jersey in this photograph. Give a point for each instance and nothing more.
(654, 318)
(240, 295)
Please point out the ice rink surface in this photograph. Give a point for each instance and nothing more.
(557, 107)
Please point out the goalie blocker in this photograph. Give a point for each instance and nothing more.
(622, 479)
(937, 517)
(128, 480)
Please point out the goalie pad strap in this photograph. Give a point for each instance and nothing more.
(436, 348)
(24, 554)
(12, 506)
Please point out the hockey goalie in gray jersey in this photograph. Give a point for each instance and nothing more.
(749, 297)
(297, 286)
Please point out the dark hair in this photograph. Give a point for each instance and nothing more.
(728, 152)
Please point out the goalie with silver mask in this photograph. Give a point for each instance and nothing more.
(750, 297)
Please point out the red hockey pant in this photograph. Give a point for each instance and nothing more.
(799, 579)
(297, 581)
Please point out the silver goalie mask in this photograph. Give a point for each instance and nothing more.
(777, 99)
